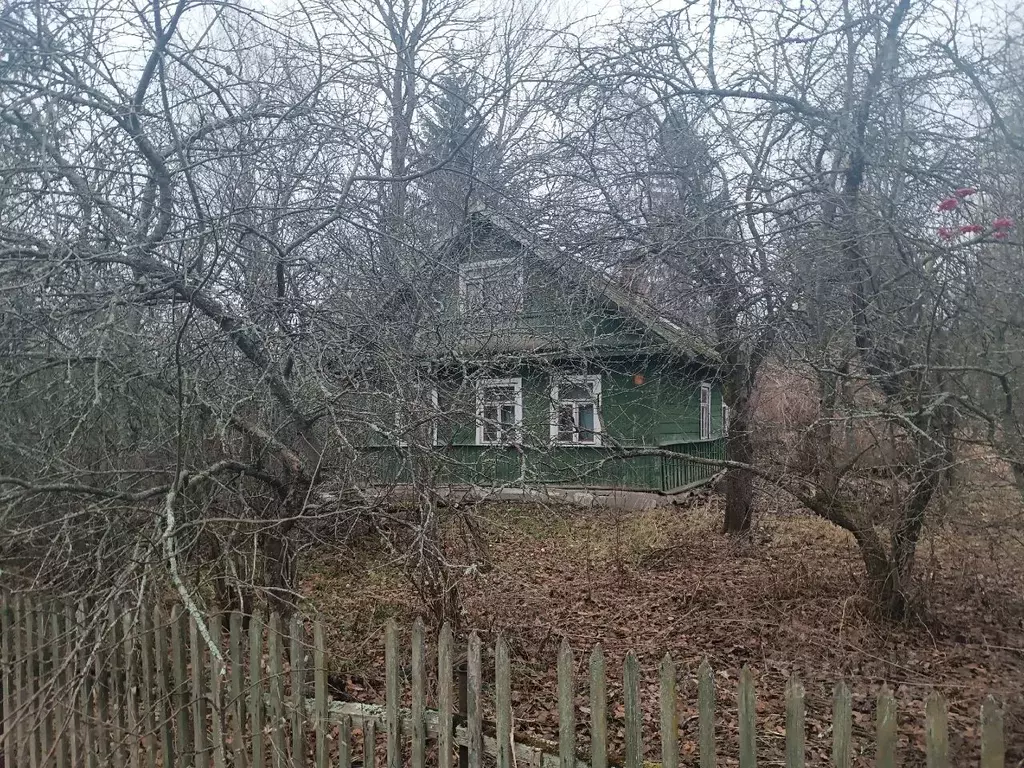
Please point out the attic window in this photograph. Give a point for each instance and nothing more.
(492, 287)
(576, 411)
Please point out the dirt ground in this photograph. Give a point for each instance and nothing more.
(787, 601)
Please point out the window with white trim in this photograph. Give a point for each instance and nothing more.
(499, 411)
(491, 287)
(576, 410)
(413, 416)
(705, 411)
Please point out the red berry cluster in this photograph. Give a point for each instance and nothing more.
(1000, 227)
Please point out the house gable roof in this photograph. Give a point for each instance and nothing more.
(678, 339)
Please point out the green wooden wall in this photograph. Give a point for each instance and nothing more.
(663, 409)
(557, 313)
(495, 467)
(662, 412)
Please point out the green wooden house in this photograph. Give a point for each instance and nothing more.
(537, 370)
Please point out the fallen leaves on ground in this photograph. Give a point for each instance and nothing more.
(785, 601)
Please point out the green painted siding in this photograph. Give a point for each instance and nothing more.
(569, 467)
(665, 408)
(556, 313)
(661, 412)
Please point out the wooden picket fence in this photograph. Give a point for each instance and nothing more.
(91, 689)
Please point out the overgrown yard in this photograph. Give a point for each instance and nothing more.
(788, 601)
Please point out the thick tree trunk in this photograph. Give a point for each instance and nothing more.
(739, 483)
(887, 571)
(739, 490)
(887, 583)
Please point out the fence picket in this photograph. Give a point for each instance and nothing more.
(993, 748)
(474, 704)
(748, 719)
(133, 723)
(320, 692)
(794, 723)
(369, 744)
(842, 723)
(669, 714)
(15, 715)
(101, 689)
(566, 708)
(503, 702)
(706, 714)
(200, 710)
(598, 710)
(631, 703)
(936, 732)
(278, 747)
(63, 683)
(9, 688)
(419, 695)
(236, 688)
(298, 670)
(76, 687)
(182, 705)
(885, 730)
(21, 729)
(216, 690)
(85, 694)
(392, 695)
(7, 661)
(444, 697)
(256, 715)
(45, 688)
(147, 698)
(116, 676)
(345, 742)
(164, 707)
(32, 708)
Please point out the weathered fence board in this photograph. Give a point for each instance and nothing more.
(795, 747)
(256, 712)
(634, 716)
(598, 710)
(276, 712)
(706, 714)
(138, 690)
(566, 707)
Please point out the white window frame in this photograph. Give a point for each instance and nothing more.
(433, 425)
(470, 268)
(594, 382)
(517, 384)
(705, 411)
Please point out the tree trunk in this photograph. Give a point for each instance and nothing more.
(739, 483)
(887, 573)
(887, 584)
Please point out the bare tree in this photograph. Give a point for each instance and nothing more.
(818, 158)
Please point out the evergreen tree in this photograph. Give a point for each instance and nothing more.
(452, 140)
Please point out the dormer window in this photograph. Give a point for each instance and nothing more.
(491, 287)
